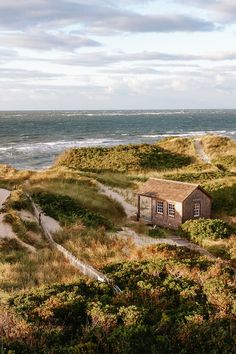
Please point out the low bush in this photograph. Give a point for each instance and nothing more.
(157, 232)
(224, 199)
(201, 229)
(166, 306)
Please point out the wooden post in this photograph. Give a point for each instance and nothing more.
(138, 214)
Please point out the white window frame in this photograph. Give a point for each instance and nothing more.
(197, 208)
(171, 210)
(160, 207)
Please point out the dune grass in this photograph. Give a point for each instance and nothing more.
(22, 270)
(84, 192)
(222, 151)
(183, 146)
(122, 158)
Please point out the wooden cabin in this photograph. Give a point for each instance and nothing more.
(170, 203)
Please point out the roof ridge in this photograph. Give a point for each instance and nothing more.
(173, 181)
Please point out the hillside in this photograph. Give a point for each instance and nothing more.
(122, 158)
(173, 299)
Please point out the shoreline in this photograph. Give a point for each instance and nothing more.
(52, 156)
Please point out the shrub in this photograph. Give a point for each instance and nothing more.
(157, 232)
(198, 230)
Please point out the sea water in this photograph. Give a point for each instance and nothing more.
(33, 139)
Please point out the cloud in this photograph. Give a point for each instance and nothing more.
(92, 16)
(102, 58)
(40, 40)
(223, 11)
(21, 74)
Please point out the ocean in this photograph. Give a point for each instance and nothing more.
(33, 139)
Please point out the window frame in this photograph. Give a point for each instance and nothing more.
(162, 207)
(198, 209)
(173, 209)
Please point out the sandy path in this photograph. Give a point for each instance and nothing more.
(6, 229)
(130, 210)
(4, 195)
(200, 151)
(143, 240)
(51, 224)
(6, 232)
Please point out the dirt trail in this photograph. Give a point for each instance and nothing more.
(4, 195)
(143, 240)
(130, 210)
(6, 229)
(200, 151)
(51, 224)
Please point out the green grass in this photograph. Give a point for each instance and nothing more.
(199, 177)
(86, 194)
(68, 210)
(112, 179)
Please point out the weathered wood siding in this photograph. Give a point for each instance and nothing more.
(197, 197)
(165, 220)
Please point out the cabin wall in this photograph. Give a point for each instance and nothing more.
(197, 197)
(165, 220)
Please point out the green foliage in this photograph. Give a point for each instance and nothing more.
(164, 304)
(224, 199)
(122, 158)
(67, 210)
(198, 177)
(18, 201)
(157, 232)
(86, 193)
(201, 229)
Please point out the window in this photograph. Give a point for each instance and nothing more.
(171, 210)
(196, 210)
(160, 208)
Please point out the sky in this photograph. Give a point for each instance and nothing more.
(117, 54)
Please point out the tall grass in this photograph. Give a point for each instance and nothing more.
(22, 270)
(222, 150)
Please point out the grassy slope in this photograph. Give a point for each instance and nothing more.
(122, 158)
(21, 270)
(222, 151)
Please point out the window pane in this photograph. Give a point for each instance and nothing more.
(171, 209)
(160, 207)
(196, 210)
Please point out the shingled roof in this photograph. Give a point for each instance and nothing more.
(168, 190)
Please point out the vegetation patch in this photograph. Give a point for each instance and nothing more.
(165, 307)
(122, 158)
(201, 229)
(222, 150)
(224, 198)
(68, 210)
(18, 200)
(199, 177)
(157, 232)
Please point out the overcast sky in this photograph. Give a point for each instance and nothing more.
(117, 54)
